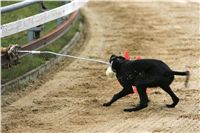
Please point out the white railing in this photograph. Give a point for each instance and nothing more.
(33, 21)
(18, 5)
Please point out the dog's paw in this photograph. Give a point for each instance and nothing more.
(128, 110)
(173, 104)
(137, 108)
(106, 104)
(170, 105)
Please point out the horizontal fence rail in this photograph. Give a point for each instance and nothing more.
(18, 5)
(43, 41)
(33, 21)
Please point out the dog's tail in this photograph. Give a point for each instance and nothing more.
(186, 73)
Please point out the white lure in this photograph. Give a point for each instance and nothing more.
(109, 72)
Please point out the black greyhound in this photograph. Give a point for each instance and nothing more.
(142, 74)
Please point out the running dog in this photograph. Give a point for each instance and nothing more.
(142, 74)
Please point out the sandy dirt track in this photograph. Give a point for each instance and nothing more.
(70, 98)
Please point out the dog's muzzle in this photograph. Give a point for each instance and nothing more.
(109, 71)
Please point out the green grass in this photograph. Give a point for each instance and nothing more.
(17, 70)
(22, 37)
(30, 62)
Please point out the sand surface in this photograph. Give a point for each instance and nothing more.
(70, 97)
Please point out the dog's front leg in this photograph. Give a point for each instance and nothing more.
(119, 95)
(143, 99)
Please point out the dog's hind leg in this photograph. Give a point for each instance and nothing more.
(119, 95)
(173, 96)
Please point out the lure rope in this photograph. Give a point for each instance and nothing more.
(70, 56)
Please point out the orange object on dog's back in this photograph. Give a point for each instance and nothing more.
(138, 57)
(126, 55)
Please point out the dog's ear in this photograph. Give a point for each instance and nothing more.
(121, 58)
(116, 62)
(112, 57)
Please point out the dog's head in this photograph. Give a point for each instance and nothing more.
(115, 62)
